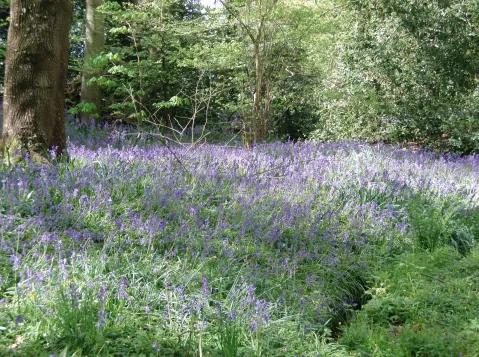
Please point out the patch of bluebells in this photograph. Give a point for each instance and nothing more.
(293, 221)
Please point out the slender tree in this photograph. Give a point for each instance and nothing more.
(255, 20)
(35, 76)
(94, 45)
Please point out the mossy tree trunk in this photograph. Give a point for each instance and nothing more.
(35, 76)
(94, 45)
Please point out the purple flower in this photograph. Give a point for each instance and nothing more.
(74, 235)
(48, 238)
(253, 325)
(205, 290)
(122, 293)
(15, 261)
(232, 315)
(102, 294)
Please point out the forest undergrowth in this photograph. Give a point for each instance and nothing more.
(306, 249)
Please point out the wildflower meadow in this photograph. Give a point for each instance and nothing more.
(285, 249)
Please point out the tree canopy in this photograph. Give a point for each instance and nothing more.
(389, 71)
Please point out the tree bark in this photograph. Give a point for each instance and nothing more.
(260, 115)
(257, 94)
(94, 45)
(35, 76)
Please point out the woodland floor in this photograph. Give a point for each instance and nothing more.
(338, 249)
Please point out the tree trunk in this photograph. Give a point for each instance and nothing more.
(94, 45)
(35, 76)
(260, 115)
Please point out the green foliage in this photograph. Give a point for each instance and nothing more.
(442, 223)
(422, 304)
(143, 78)
(83, 108)
(407, 72)
(229, 335)
(170, 63)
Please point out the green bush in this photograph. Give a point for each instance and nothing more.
(407, 71)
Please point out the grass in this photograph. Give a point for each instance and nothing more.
(422, 304)
(284, 250)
